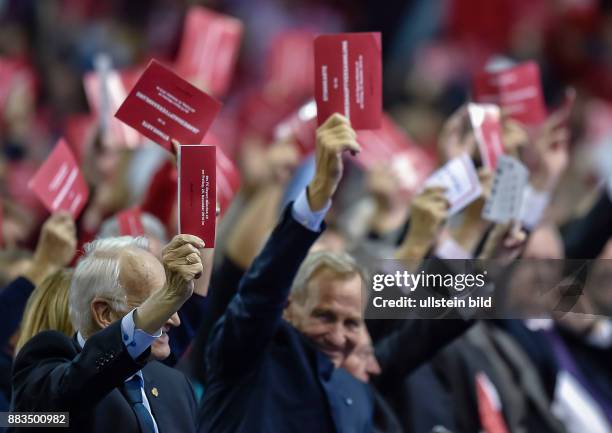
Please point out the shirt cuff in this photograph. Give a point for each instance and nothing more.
(136, 340)
(302, 213)
(533, 207)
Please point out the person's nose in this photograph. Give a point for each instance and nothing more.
(336, 337)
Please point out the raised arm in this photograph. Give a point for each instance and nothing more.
(254, 314)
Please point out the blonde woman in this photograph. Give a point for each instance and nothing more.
(47, 308)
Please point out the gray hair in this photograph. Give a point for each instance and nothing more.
(339, 263)
(152, 227)
(97, 275)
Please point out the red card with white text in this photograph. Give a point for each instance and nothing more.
(517, 90)
(59, 184)
(486, 124)
(197, 202)
(348, 78)
(130, 222)
(209, 49)
(162, 106)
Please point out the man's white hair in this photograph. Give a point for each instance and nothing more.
(97, 275)
(341, 264)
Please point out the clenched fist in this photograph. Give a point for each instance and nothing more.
(334, 137)
(182, 263)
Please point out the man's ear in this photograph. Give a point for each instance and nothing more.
(101, 312)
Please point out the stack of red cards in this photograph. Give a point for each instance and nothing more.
(59, 184)
(348, 78)
(517, 90)
(209, 49)
(162, 107)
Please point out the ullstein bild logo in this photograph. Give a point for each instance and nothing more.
(485, 289)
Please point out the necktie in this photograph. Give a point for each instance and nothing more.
(133, 392)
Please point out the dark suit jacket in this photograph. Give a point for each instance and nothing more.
(52, 374)
(263, 375)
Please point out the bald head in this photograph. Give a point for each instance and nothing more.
(140, 274)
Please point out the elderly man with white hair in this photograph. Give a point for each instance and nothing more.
(123, 301)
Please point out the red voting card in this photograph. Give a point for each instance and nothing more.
(289, 65)
(228, 180)
(300, 126)
(79, 130)
(209, 49)
(486, 124)
(130, 222)
(390, 145)
(517, 90)
(228, 176)
(105, 91)
(197, 202)
(162, 106)
(59, 184)
(348, 78)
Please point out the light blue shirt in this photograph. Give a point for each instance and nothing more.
(136, 341)
(305, 216)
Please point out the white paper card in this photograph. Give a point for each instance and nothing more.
(509, 183)
(460, 179)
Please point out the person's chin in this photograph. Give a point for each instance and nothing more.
(160, 351)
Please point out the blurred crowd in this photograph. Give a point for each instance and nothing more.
(255, 288)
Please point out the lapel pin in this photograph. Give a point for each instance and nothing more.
(155, 392)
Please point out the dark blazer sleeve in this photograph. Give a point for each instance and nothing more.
(13, 300)
(254, 313)
(49, 374)
(412, 344)
(191, 314)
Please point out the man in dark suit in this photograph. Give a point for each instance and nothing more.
(122, 302)
(267, 373)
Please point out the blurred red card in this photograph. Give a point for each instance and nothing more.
(197, 202)
(59, 184)
(486, 124)
(391, 145)
(300, 126)
(289, 64)
(209, 49)
(130, 222)
(162, 106)
(228, 176)
(105, 93)
(517, 90)
(348, 78)
(228, 180)
(79, 130)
